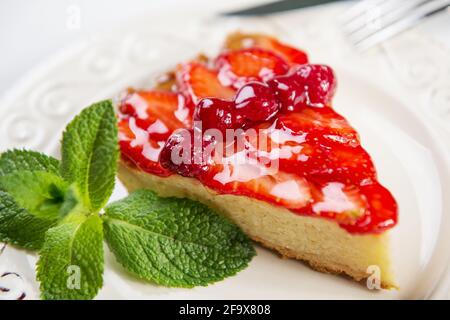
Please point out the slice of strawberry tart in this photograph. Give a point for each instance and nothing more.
(252, 133)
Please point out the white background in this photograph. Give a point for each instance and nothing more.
(30, 31)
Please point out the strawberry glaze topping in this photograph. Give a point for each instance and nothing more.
(307, 85)
(288, 146)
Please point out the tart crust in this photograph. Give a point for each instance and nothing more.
(321, 243)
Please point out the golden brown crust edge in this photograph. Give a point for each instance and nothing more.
(171, 186)
(317, 265)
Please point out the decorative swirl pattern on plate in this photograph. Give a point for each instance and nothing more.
(144, 50)
(418, 71)
(53, 98)
(425, 69)
(22, 131)
(11, 286)
(440, 101)
(10, 290)
(102, 60)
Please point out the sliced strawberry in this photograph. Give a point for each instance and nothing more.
(327, 147)
(320, 164)
(168, 107)
(338, 201)
(317, 144)
(380, 213)
(196, 81)
(238, 67)
(369, 208)
(140, 147)
(290, 54)
(148, 118)
(253, 180)
(348, 204)
(324, 122)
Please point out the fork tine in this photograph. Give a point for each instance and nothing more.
(383, 20)
(378, 12)
(359, 8)
(406, 22)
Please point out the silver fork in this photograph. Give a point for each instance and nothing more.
(370, 22)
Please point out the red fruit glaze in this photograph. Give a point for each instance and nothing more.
(307, 85)
(256, 102)
(217, 113)
(182, 155)
(311, 161)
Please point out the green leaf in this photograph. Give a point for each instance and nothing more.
(20, 160)
(40, 193)
(174, 242)
(19, 227)
(71, 261)
(71, 201)
(90, 153)
(30, 204)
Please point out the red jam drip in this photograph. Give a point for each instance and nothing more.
(321, 168)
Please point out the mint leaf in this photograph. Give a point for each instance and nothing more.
(30, 204)
(174, 242)
(19, 227)
(20, 160)
(71, 201)
(71, 261)
(40, 193)
(90, 153)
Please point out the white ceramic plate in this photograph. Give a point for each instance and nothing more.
(410, 158)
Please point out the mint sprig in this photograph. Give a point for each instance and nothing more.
(25, 160)
(55, 207)
(90, 152)
(20, 227)
(174, 242)
(30, 197)
(70, 265)
(40, 193)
